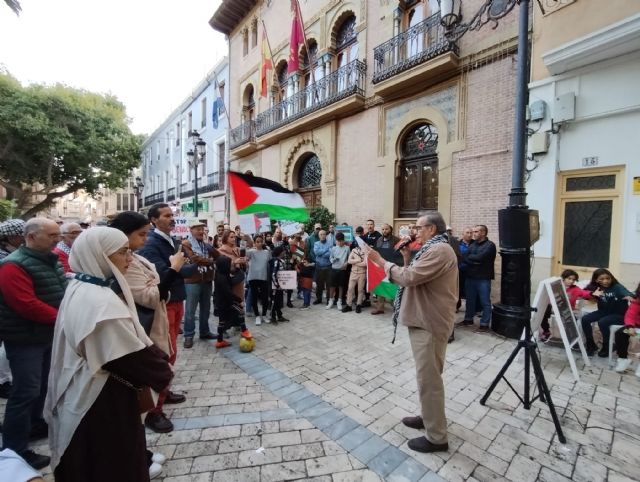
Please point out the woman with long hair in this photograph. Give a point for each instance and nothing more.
(103, 366)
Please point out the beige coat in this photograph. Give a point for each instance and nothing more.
(143, 281)
(431, 294)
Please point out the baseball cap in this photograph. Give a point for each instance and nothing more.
(194, 223)
(12, 227)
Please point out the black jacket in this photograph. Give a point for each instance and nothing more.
(480, 259)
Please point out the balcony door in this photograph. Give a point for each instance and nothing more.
(588, 208)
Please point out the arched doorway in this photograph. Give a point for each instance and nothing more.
(309, 178)
(418, 179)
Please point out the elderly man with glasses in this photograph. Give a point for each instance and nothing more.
(69, 231)
(426, 304)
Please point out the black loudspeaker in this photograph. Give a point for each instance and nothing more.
(518, 227)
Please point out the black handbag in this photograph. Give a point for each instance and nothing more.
(145, 316)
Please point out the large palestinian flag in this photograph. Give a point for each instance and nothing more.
(254, 194)
(378, 283)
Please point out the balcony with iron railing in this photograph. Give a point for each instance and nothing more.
(213, 183)
(154, 198)
(171, 194)
(242, 138)
(415, 58)
(338, 94)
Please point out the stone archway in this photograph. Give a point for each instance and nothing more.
(309, 179)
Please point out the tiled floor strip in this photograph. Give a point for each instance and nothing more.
(377, 454)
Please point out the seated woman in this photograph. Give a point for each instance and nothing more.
(102, 366)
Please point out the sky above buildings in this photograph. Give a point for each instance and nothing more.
(149, 53)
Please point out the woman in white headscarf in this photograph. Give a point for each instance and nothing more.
(101, 360)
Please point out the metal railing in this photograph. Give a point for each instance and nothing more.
(344, 82)
(154, 198)
(213, 183)
(171, 194)
(186, 193)
(412, 47)
(245, 132)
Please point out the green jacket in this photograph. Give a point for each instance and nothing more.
(49, 284)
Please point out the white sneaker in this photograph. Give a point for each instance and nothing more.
(155, 469)
(623, 364)
(339, 306)
(158, 458)
(330, 305)
(258, 320)
(266, 319)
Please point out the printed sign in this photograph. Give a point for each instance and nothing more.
(181, 228)
(254, 223)
(289, 228)
(552, 292)
(347, 231)
(287, 280)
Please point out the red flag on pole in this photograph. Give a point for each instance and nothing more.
(297, 38)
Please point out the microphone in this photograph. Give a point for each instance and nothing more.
(403, 244)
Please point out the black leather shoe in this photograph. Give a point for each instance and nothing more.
(39, 431)
(289, 304)
(414, 422)
(452, 338)
(347, 309)
(317, 302)
(173, 398)
(421, 444)
(158, 422)
(208, 336)
(188, 342)
(35, 460)
(358, 309)
(465, 323)
(282, 318)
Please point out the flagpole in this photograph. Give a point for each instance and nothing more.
(266, 35)
(227, 192)
(306, 45)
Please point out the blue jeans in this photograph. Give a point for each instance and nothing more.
(30, 371)
(478, 289)
(197, 294)
(306, 296)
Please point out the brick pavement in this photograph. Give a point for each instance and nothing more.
(321, 398)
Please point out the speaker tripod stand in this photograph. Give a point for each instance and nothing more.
(530, 358)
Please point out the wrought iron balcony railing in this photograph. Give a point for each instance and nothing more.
(213, 183)
(171, 194)
(416, 45)
(186, 193)
(245, 132)
(154, 198)
(347, 80)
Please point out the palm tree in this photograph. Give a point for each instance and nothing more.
(14, 5)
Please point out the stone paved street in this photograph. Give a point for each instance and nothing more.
(321, 398)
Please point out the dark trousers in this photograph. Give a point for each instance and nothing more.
(478, 288)
(259, 290)
(276, 307)
(604, 322)
(30, 365)
(323, 281)
(622, 343)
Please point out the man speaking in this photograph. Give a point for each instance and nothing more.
(426, 304)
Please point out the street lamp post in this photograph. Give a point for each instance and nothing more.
(517, 224)
(196, 156)
(137, 189)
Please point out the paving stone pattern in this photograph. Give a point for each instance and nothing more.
(321, 398)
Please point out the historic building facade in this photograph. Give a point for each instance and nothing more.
(167, 174)
(384, 117)
(584, 154)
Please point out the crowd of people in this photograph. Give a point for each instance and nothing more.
(90, 318)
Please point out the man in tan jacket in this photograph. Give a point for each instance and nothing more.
(426, 304)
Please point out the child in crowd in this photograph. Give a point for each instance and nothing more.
(338, 256)
(631, 325)
(613, 300)
(276, 264)
(229, 304)
(258, 277)
(357, 278)
(305, 278)
(569, 278)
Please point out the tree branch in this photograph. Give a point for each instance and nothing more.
(47, 201)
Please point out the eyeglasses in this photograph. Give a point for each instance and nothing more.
(73, 233)
(420, 226)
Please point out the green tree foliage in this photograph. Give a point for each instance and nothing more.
(320, 215)
(6, 209)
(55, 140)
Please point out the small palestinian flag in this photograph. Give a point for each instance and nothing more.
(254, 194)
(378, 283)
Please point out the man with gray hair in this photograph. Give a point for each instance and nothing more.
(32, 285)
(426, 304)
(70, 231)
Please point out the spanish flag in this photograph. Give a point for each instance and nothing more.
(266, 71)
